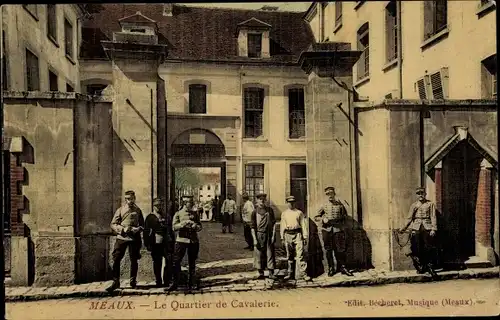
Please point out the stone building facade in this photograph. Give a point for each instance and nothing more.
(274, 99)
(421, 112)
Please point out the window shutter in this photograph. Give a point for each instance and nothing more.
(428, 19)
(420, 84)
(441, 13)
(436, 86)
(444, 82)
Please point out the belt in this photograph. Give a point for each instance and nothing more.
(293, 231)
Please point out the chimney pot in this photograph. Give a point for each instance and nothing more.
(167, 9)
(462, 131)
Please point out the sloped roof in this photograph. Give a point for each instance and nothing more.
(137, 17)
(194, 33)
(254, 23)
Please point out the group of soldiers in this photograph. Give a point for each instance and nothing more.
(170, 237)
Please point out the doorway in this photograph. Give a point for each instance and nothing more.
(461, 168)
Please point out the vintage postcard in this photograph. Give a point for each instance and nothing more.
(248, 160)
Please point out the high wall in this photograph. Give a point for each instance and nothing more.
(24, 31)
(44, 249)
(469, 38)
(390, 160)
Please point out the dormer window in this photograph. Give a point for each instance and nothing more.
(138, 30)
(253, 39)
(254, 45)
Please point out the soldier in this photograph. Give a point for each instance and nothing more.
(246, 215)
(186, 223)
(294, 235)
(228, 210)
(159, 240)
(332, 215)
(127, 224)
(423, 225)
(264, 236)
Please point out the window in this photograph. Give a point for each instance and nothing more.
(298, 184)
(52, 22)
(254, 108)
(95, 89)
(364, 46)
(32, 72)
(32, 9)
(489, 77)
(391, 31)
(197, 98)
(322, 22)
(254, 179)
(254, 45)
(297, 124)
(208, 187)
(53, 86)
(435, 17)
(338, 13)
(68, 38)
(69, 88)
(5, 79)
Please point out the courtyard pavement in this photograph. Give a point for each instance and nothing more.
(224, 265)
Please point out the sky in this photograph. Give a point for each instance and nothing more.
(284, 6)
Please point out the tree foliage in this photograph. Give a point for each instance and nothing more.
(186, 177)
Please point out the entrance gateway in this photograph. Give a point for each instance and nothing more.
(197, 148)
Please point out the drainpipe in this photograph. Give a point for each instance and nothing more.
(241, 134)
(152, 152)
(400, 48)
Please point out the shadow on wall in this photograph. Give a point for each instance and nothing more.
(357, 247)
(31, 256)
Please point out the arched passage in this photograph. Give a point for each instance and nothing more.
(200, 151)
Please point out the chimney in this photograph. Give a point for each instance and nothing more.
(269, 8)
(167, 9)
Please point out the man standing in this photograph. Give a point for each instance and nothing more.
(127, 224)
(186, 223)
(228, 210)
(158, 239)
(246, 216)
(264, 236)
(294, 235)
(423, 225)
(332, 215)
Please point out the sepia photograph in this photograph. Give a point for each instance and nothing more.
(250, 159)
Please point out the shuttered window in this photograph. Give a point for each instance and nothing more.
(364, 46)
(435, 17)
(338, 13)
(391, 31)
(421, 89)
(489, 77)
(53, 85)
(254, 108)
(52, 22)
(68, 38)
(32, 72)
(437, 86)
(197, 98)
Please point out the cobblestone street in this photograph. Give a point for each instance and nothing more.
(457, 297)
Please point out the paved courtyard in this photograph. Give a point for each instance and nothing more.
(219, 254)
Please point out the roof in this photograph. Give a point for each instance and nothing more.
(194, 33)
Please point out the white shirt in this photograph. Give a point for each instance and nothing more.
(248, 208)
(229, 206)
(293, 219)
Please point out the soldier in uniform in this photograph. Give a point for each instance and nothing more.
(186, 223)
(332, 215)
(423, 226)
(159, 240)
(263, 228)
(127, 224)
(294, 235)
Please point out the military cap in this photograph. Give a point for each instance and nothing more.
(290, 199)
(157, 201)
(261, 195)
(244, 195)
(329, 189)
(420, 190)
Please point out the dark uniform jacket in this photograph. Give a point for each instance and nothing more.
(261, 225)
(333, 215)
(157, 230)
